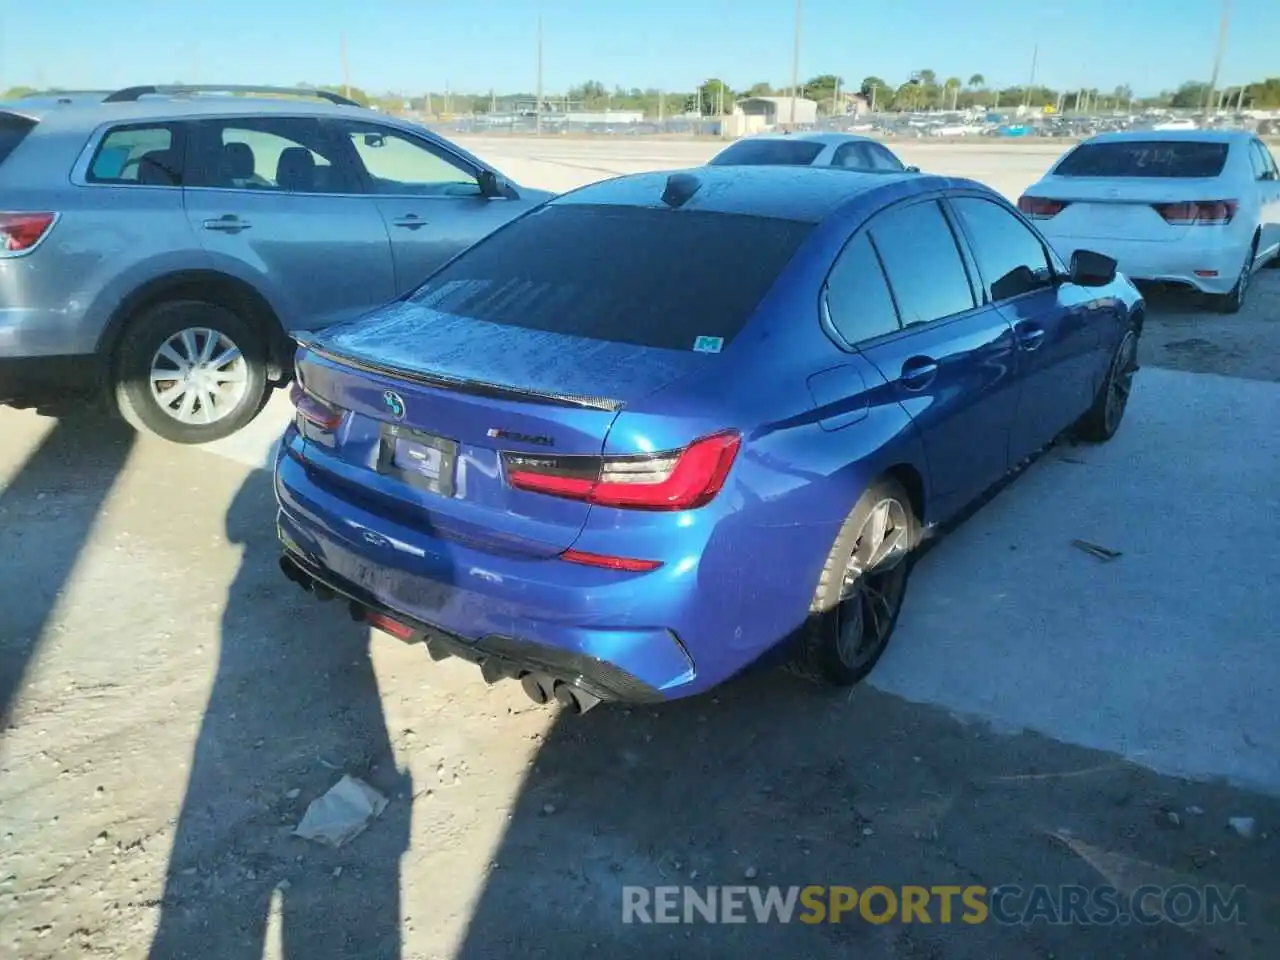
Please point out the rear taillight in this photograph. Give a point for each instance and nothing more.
(606, 562)
(314, 410)
(20, 232)
(675, 480)
(1206, 213)
(1040, 208)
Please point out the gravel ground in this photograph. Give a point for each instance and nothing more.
(169, 706)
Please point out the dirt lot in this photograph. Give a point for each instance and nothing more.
(169, 706)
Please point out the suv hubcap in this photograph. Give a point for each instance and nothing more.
(198, 376)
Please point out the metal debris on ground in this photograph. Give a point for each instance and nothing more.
(342, 813)
(1102, 553)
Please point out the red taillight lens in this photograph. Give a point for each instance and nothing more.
(1206, 213)
(677, 480)
(22, 231)
(314, 410)
(1040, 208)
(606, 562)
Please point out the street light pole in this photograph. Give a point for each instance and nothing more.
(1223, 24)
(537, 107)
(795, 67)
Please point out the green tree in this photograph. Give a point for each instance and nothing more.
(977, 81)
(1190, 94)
(760, 90)
(952, 87)
(710, 97)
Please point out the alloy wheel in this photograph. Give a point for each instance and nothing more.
(1120, 383)
(873, 584)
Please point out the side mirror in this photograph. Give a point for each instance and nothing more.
(1090, 269)
(491, 185)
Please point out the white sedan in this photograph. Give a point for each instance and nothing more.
(845, 150)
(1199, 209)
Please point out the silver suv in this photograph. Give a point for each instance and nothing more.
(163, 246)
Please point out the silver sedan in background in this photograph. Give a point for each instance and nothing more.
(845, 150)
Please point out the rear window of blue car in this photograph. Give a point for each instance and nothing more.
(768, 153)
(13, 130)
(1165, 159)
(675, 279)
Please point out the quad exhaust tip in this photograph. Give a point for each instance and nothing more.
(542, 689)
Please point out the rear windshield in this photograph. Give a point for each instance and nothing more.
(1145, 158)
(676, 279)
(13, 130)
(771, 153)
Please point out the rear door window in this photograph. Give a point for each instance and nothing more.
(399, 165)
(1170, 159)
(926, 273)
(13, 130)
(1011, 258)
(273, 154)
(1264, 166)
(768, 152)
(858, 300)
(677, 279)
(141, 154)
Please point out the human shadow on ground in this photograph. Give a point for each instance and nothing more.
(47, 514)
(295, 705)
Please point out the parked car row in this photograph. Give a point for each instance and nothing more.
(621, 443)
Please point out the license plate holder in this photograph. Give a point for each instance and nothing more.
(421, 460)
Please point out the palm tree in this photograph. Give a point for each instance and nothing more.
(977, 80)
(952, 85)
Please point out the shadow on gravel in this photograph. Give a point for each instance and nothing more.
(46, 517)
(294, 706)
(773, 782)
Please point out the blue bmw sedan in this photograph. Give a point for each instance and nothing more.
(646, 433)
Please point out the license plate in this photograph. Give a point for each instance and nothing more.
(422, 460)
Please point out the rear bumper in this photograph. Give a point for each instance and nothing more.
(499, 657)
(1182, 261)
(613, 634)
(37, 381)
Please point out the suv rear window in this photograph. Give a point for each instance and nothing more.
(1145, 158)
(13, 130)
(771, 153)
(638, 275)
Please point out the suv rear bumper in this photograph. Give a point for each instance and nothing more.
(37, 381)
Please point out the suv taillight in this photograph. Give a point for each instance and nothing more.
(675, 480)
(22, 231)
(1039, 208)
(1205, 213)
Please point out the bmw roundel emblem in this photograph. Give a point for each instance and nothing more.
(394, 404)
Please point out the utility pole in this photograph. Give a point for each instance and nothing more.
(875, 88)
(1223, 24)
(795, 67)
(1240, 100)
(662, 108)
(537, 108)
(346, 74)
(835, 98)
(1026, 97)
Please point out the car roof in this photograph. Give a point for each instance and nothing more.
(1203, 136)
(813, 136)
(86, 112)
(802, 193)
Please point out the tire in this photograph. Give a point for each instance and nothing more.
(821, 654)
(1103, 419)
(189, 417)
(1233, 302)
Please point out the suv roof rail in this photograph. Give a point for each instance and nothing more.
(129, 94)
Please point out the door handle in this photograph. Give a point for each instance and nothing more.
(227, 223)
(410, 221)
(1030, 337)
(918, 372)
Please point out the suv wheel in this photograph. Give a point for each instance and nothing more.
(190, 372)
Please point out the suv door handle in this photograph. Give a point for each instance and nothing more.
(918, 372)
(227, 223)
(410, 221)
(1030, 337)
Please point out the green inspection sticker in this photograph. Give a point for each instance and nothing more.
(708, 344)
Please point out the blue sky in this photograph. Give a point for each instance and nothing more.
(671, 44)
